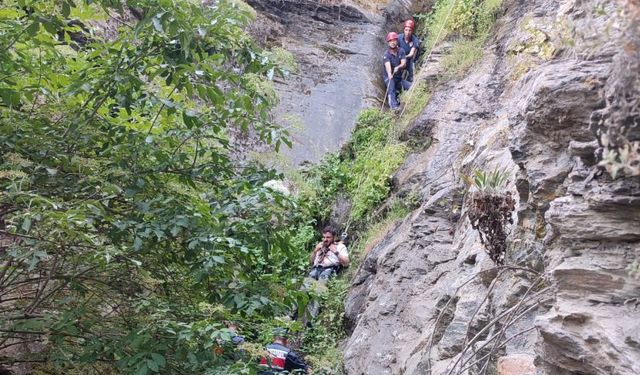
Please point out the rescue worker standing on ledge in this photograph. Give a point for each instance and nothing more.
(281, 357)
(410, 44)
(327, 256)
(395, 61)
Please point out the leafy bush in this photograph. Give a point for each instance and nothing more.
(374, 172)
(129, 234)
(320, 185)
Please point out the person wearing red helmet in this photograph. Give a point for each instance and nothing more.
(410, 44)
(394, 61)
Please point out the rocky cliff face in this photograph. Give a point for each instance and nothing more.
(337, 46)
(333, 43)
(428, 299)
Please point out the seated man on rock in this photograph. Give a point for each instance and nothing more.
(328, 256)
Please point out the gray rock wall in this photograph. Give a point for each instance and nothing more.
(428, 300)
(335, 45)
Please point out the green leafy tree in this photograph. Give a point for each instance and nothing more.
(128, 230)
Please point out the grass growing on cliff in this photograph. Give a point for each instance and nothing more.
(377, 156)
(463, 18)
(470, 21)
(414, 103)
(361, 172)
(463, 55)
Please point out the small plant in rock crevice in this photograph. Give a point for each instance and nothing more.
(490, 210)
(634, 269)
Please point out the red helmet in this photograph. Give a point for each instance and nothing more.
(392, 36)
(410, 24)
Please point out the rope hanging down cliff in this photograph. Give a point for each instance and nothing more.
(421, 74)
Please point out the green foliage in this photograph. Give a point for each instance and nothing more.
(634, 269)
(363, 175)
(372, 130)
(262, 87)
(324, 337)
(374, 173)
(414, 102)
(320, 185)
(462, 56)
(132, 233)
(377, 157)
(464, 18)
(468, 20)
(283, 59)
(488, 181)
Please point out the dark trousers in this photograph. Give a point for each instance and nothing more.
(393, 87)
(321, 273)
(410, 70)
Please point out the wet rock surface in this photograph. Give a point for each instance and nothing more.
(337, 46)
(428, 300)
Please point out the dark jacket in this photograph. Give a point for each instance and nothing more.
(394, 60)
(413, 43)
(282, 359)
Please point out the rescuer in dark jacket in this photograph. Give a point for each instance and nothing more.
(281, 358)
(394, 62)
(411, 45)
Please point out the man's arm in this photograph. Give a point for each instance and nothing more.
(412, 52)
(312, 259)
(343, 255)
(387, 67)
(403, 59)
(293, 362)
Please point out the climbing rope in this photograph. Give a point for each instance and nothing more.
(419, 76)
(345, 233)
(410, 93)
(385, 96)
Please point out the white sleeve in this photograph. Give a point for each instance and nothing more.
(342, 250)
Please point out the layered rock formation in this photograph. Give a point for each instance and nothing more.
(428, 300)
